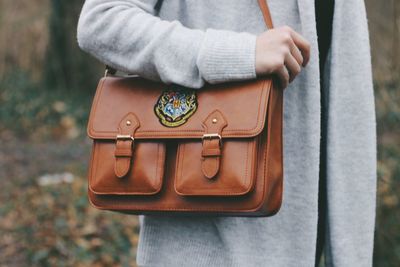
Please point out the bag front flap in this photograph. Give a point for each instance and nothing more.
(159, 111)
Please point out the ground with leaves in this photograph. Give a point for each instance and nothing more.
(52, 223)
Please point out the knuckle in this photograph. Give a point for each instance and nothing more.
(278, 66)
(301, 59)
(298, 69)
(285, 51)
(287, 28)
(287, 76)
(281, 63)
(286, 38)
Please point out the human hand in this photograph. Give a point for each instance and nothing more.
(282, 52)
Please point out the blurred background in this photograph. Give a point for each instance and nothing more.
(46, 88)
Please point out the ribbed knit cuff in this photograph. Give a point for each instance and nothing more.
(227, 56)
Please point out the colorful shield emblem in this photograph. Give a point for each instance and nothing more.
(174, 107)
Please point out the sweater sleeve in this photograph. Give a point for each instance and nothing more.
(127, 35)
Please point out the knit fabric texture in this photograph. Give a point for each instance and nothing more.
(191, 42)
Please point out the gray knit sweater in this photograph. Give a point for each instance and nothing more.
(191, 42)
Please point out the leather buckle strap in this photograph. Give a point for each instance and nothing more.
(266, 13)
(124, 145)
(212, 143)
(213, 135)
(211, 148)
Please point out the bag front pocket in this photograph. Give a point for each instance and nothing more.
(145, 174)
(236, 172)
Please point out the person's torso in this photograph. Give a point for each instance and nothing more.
(235, 15)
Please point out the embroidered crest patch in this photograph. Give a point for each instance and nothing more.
(175, 107)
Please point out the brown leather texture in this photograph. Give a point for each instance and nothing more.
(221, 153)
(116, 97)
(177, 170)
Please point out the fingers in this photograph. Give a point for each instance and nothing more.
(303, 45)
(282, 52)
(293, 66)
(283, 76)
(294, 50)
(299, 56)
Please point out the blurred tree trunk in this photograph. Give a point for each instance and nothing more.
(66, 66)
(396, 41)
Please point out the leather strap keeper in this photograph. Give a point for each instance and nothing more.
(124, 144)
(212, 143)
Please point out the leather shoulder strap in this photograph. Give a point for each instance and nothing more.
(266, 13)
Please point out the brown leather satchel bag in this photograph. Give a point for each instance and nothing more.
(163, 149)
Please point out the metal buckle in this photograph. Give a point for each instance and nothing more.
(109, 71)
(125, 137)
(213, 135)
